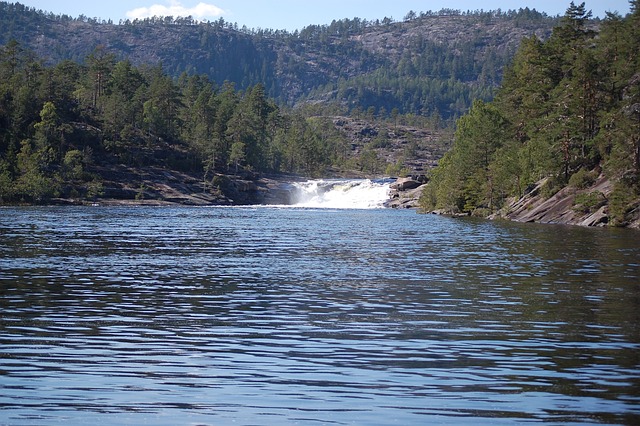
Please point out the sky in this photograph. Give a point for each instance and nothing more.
(296, 14)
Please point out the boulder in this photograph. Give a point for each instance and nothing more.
(409, 199)
(404, 184)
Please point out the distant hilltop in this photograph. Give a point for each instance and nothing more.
(431, 63)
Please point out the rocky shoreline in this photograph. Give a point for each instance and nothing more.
(157, 186)
(405, 192)
(564, 207)
(569, 206)
(161, 187)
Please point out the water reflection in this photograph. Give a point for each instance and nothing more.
(123, 315)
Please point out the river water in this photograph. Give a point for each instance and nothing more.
(257, 315)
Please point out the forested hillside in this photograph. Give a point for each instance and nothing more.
(429, 64)
(59, 125)
(565, 123)
(68, 129)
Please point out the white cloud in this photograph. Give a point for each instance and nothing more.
(176, 9)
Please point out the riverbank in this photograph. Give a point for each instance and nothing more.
(156, 186)
(153, 186)
(588, 206)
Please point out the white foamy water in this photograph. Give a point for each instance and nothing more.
(341, 194)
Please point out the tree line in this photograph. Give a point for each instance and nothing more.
(59, 124)
(568, 110)
(431, 64)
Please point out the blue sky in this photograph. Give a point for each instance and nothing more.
(296, 14)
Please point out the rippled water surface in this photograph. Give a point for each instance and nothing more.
(297, 316)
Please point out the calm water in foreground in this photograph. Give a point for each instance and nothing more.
(168, 316)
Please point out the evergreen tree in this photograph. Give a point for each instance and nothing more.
(567, 110)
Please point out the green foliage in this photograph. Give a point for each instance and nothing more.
(237, 155)
(140, 193)
(582, 179)
(551, 186)
(369, 161)
(94, 189)
(221, 182)
(589, 202)
(622, 201)
(140, 116)
(465, 180)
(445, 190)
(433, 63)
(6, 182)
(567, 110)
(397, 169)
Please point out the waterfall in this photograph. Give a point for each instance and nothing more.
(341, 194)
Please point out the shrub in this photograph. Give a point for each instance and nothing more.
(551, 187)
(622, 200)
(589, 202)
(582, 179)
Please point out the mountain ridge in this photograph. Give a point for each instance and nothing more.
(312, 64)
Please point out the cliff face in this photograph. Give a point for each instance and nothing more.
(570, 206)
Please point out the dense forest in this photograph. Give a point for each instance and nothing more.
(430, 64)
(58, 122)
(567, 113)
